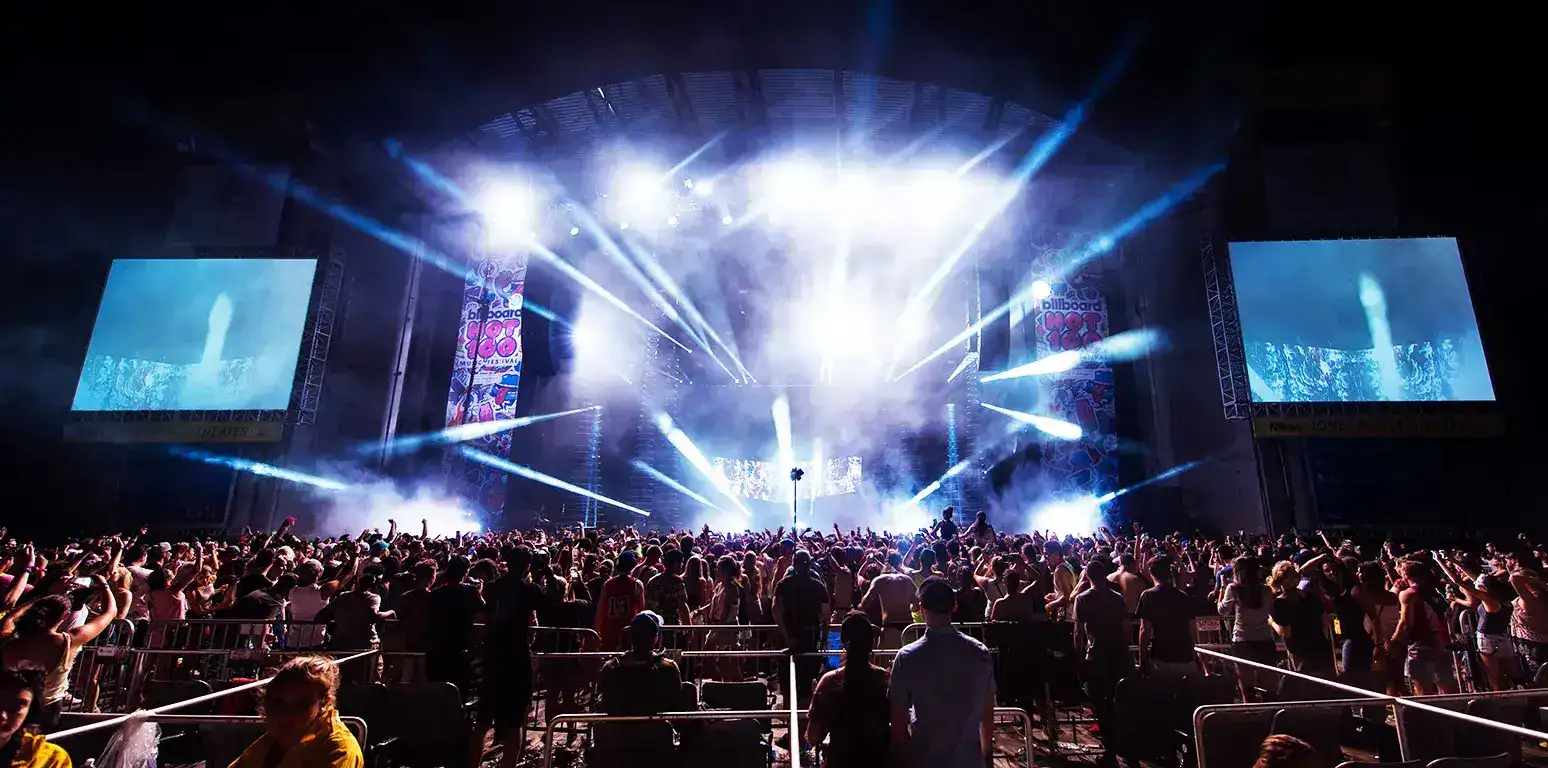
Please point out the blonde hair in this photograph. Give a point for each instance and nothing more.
(313, 670)
(1284, 574)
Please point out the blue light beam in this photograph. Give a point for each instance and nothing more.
(258, 468)
(1052, 427)
(661, 477)
(464, 432)
(1096, 247)
(548, 480)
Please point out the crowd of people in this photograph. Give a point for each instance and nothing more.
(1386, 617)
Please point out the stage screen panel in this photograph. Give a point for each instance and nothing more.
(1358, 321)
(197, 334)
(768, 481)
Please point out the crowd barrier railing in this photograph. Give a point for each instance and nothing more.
(356, 726)
(234, 634)
(1362, 697)
(117, 720)
(101, 666)
(132, 668)
(1001, 714)
(1210, 630)
(702, 666)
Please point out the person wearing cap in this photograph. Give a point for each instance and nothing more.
(945, 680)
(640, 682)
(620, 599)
(849, 707)
(801, 609)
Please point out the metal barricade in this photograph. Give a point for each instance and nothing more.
(978, 630)
(702, 666)
(724, 637)
(99, 673)
(357, 727)
(134, 667)
(115, 720)
(235, 634)
(1363, 698)
(1000, 713)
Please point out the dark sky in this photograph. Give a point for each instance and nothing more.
(95, 98)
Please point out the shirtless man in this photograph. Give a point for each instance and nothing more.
(1130, 582)
(893, 592)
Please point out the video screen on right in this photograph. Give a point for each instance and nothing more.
(1358, 321)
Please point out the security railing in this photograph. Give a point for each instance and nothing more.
(73, 744)
(114, 721)
(1360, 697)
(1002, 714)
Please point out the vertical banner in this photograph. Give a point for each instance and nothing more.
(485, 373)
(1072, 317)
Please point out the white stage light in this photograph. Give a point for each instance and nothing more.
(583, 338)
(623, 225)
(506, 209)
(1041, 290)
(672, 220)
(854, 192)
(931, 195)
(638, 194)
(638, 182)
(574, 231)
(726, 219)
(704, 188)
(792, 184)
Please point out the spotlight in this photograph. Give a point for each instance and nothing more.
(792, 184)
(1041, 290)
(506, 209)
(637, 193)
(574, 231)
(623, 225)
(672, 220)
(855, 190)
(726, 219)
(704, 188)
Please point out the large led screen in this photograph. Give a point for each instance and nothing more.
(196, 334)
(1358, 321)
(768, 481)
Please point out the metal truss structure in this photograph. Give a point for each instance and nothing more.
(967, 489)
(318, 335)
(659, 391)
(1225, 326)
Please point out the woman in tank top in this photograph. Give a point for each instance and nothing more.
(1529, 617)
(1381, 620)
(1489, 596)
(34, 638)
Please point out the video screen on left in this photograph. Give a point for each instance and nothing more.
(197, 334)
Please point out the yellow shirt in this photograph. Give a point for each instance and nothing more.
(331, 745)
(36, 752)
